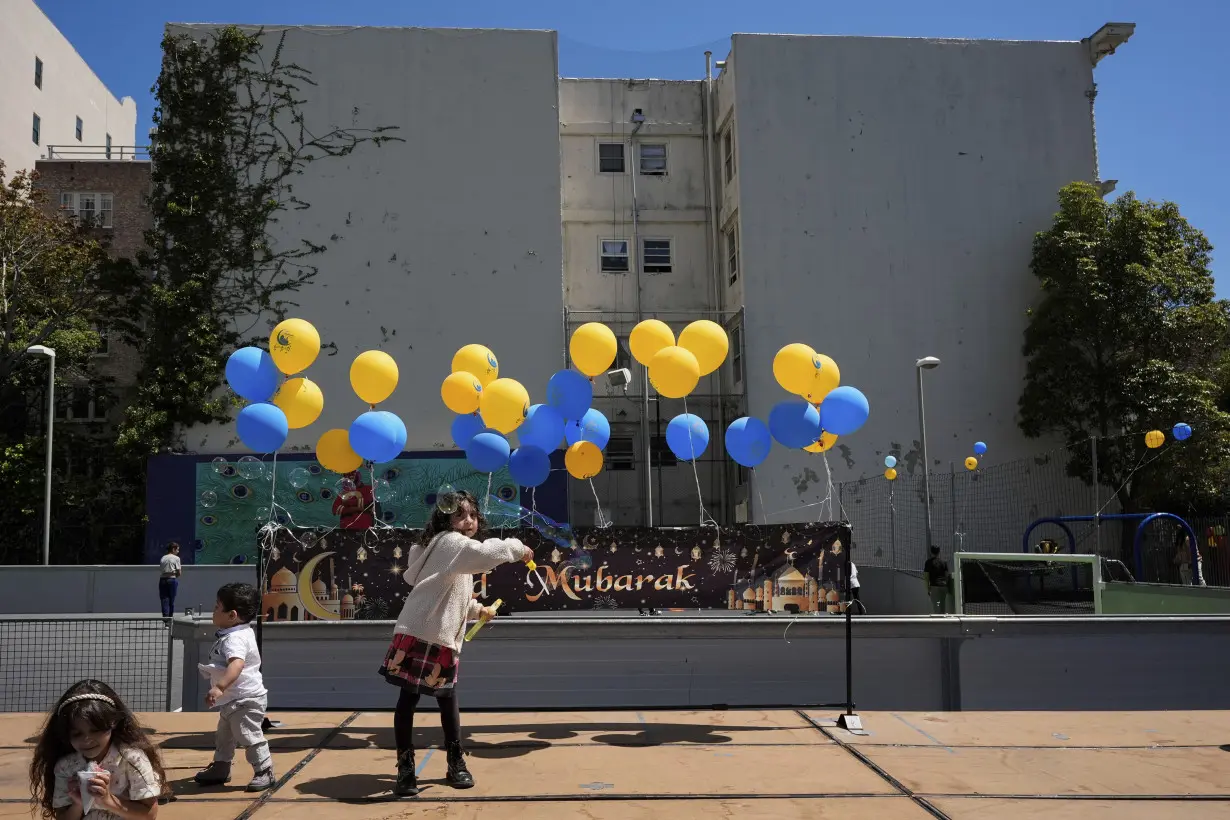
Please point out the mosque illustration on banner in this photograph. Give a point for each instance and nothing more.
(307, 598)
(787, 590)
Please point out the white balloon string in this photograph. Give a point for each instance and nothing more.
(602, 522)
(705, 518)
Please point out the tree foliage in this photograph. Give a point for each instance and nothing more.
(1126, 337)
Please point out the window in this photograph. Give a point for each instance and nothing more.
(108, 146)
(610, 157)
(653, 159)
(736, 353)
(620, 453)
(732, 253)
(38, 127)
(80, 129)
(614, 256)
(97, 208)
(38, 73)
(728, 152)
(104, 341)
(84, 404)
(656, 255)
(660, 454)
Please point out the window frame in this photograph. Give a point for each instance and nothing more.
(660, 453)
(730, 236)
(640, 159)
(616, 460)
(80, 129)
(104, 342)
(623, 156)
(38, 72)
(602, 256)
(669, 267)
(108, 149)
(70, 203)
(737, 373)
(97, 397)
(36, 129)
(729, 169)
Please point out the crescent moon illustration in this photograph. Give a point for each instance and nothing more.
(679, 550)
(310, 605)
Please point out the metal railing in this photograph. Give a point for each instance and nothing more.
(114, 153)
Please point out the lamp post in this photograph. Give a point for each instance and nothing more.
(925, 363)
(43, 350)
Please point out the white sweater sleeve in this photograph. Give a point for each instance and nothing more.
(477, 557)
(475, 610)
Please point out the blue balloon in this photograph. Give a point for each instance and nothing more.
(529, 466)
(252, 374)
(844, 410)
(488, 452)
(570, 394)
(795, 423)
(748, 441)
(1182, 431)
(378, 436)
(465, 428)
(592, 426)
(687, 435)
(543, 428)
(262, 427)
(980, 447)
(890, 462)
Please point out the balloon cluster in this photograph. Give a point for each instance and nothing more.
(1156, 438)
(980, 449)
(890, 468)
(812, 422)
(276, 409)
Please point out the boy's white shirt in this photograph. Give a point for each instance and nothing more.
(236, 642)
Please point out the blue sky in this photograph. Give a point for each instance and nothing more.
(1163, 107)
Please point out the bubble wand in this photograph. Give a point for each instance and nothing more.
(483, 619)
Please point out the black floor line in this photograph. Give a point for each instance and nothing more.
(921, 802)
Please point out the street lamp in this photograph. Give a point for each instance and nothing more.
(43, 350)
(925, 363)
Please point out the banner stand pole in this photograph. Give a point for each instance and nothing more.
(849, 720)
(266, 723)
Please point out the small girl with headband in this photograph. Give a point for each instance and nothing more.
(94, 761)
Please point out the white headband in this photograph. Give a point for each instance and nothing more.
(90, 696)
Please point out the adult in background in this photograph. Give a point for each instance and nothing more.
(937, 577)
(169, 570)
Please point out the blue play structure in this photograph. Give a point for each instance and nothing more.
(1144, 519)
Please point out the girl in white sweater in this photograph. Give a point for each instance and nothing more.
(423, 657)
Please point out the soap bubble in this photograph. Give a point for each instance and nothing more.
(209, 499)
(447, 499)
(299, 478)
(263, 515)
(343, 486)
(383, 491)
(250, 467)
(220, 464)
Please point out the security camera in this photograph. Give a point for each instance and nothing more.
(619, 378)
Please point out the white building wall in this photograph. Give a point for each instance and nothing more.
(69, 90)
(450, 237)
(888, 194)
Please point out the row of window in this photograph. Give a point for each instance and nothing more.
(83, 404)
(97, 208)
(36, 132)
(651, 158)
(657, 255)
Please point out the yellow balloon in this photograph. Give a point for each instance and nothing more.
(826, 376)
(583, 460)
(971, 463)
(504, 404)
(373, 375)
(890, 474)
(674, 372)
(1154, 439)
(707, 341)
(301, 401)
(460, 392)
(294, 345)
(648, 337)
(593, 348)
(794, 369)
(478, 360)
(826, 442)
(334, 453)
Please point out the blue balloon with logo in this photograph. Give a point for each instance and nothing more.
(795, 423)
(980, 448)
(251, 373)
(687, 435)
(465, 428)
(844, 410)
(748, 441)
(592, 427)
(488, 452)
(1182, 431)
(378, 436)
(570, 393)
(543, 428)
(262, 427)
(529, 466)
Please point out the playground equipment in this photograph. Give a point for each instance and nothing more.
(1137, 557)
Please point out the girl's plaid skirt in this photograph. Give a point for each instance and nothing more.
(420, 666)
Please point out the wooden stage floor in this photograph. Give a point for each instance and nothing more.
(750, 764)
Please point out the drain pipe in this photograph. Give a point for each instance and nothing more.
(715, 273)
(634, 257)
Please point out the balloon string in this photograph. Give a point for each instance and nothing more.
(602, 522)
(704, 515)
(764, 511)
(487, 497)
(273, 487)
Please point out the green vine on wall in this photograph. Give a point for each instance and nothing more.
(231, 140)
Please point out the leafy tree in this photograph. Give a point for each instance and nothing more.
(1126, 337)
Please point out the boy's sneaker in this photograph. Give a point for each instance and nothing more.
(215, 774)
(262, 781)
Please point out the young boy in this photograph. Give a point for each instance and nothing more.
(237, 690)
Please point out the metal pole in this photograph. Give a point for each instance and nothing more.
(922, 427)
(849, 636)
(1097, 499)
(952, 503)
(51, 422)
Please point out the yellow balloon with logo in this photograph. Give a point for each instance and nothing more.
(504, 404)
(373, 375)
(794, 369)
(478, 360)
(301, 400)
(460, 392)
(826, 442)
(334, 453)
(648, 337)
(971, 463)
(707, 341)
(826, 376)
(593, 348)
(674, 372)
(294, 344)
(890, 474)
(583, 460)
(1154, 439)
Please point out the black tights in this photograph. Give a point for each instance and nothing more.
(403, 719)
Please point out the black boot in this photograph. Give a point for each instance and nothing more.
(407, 784)
(459, 776)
